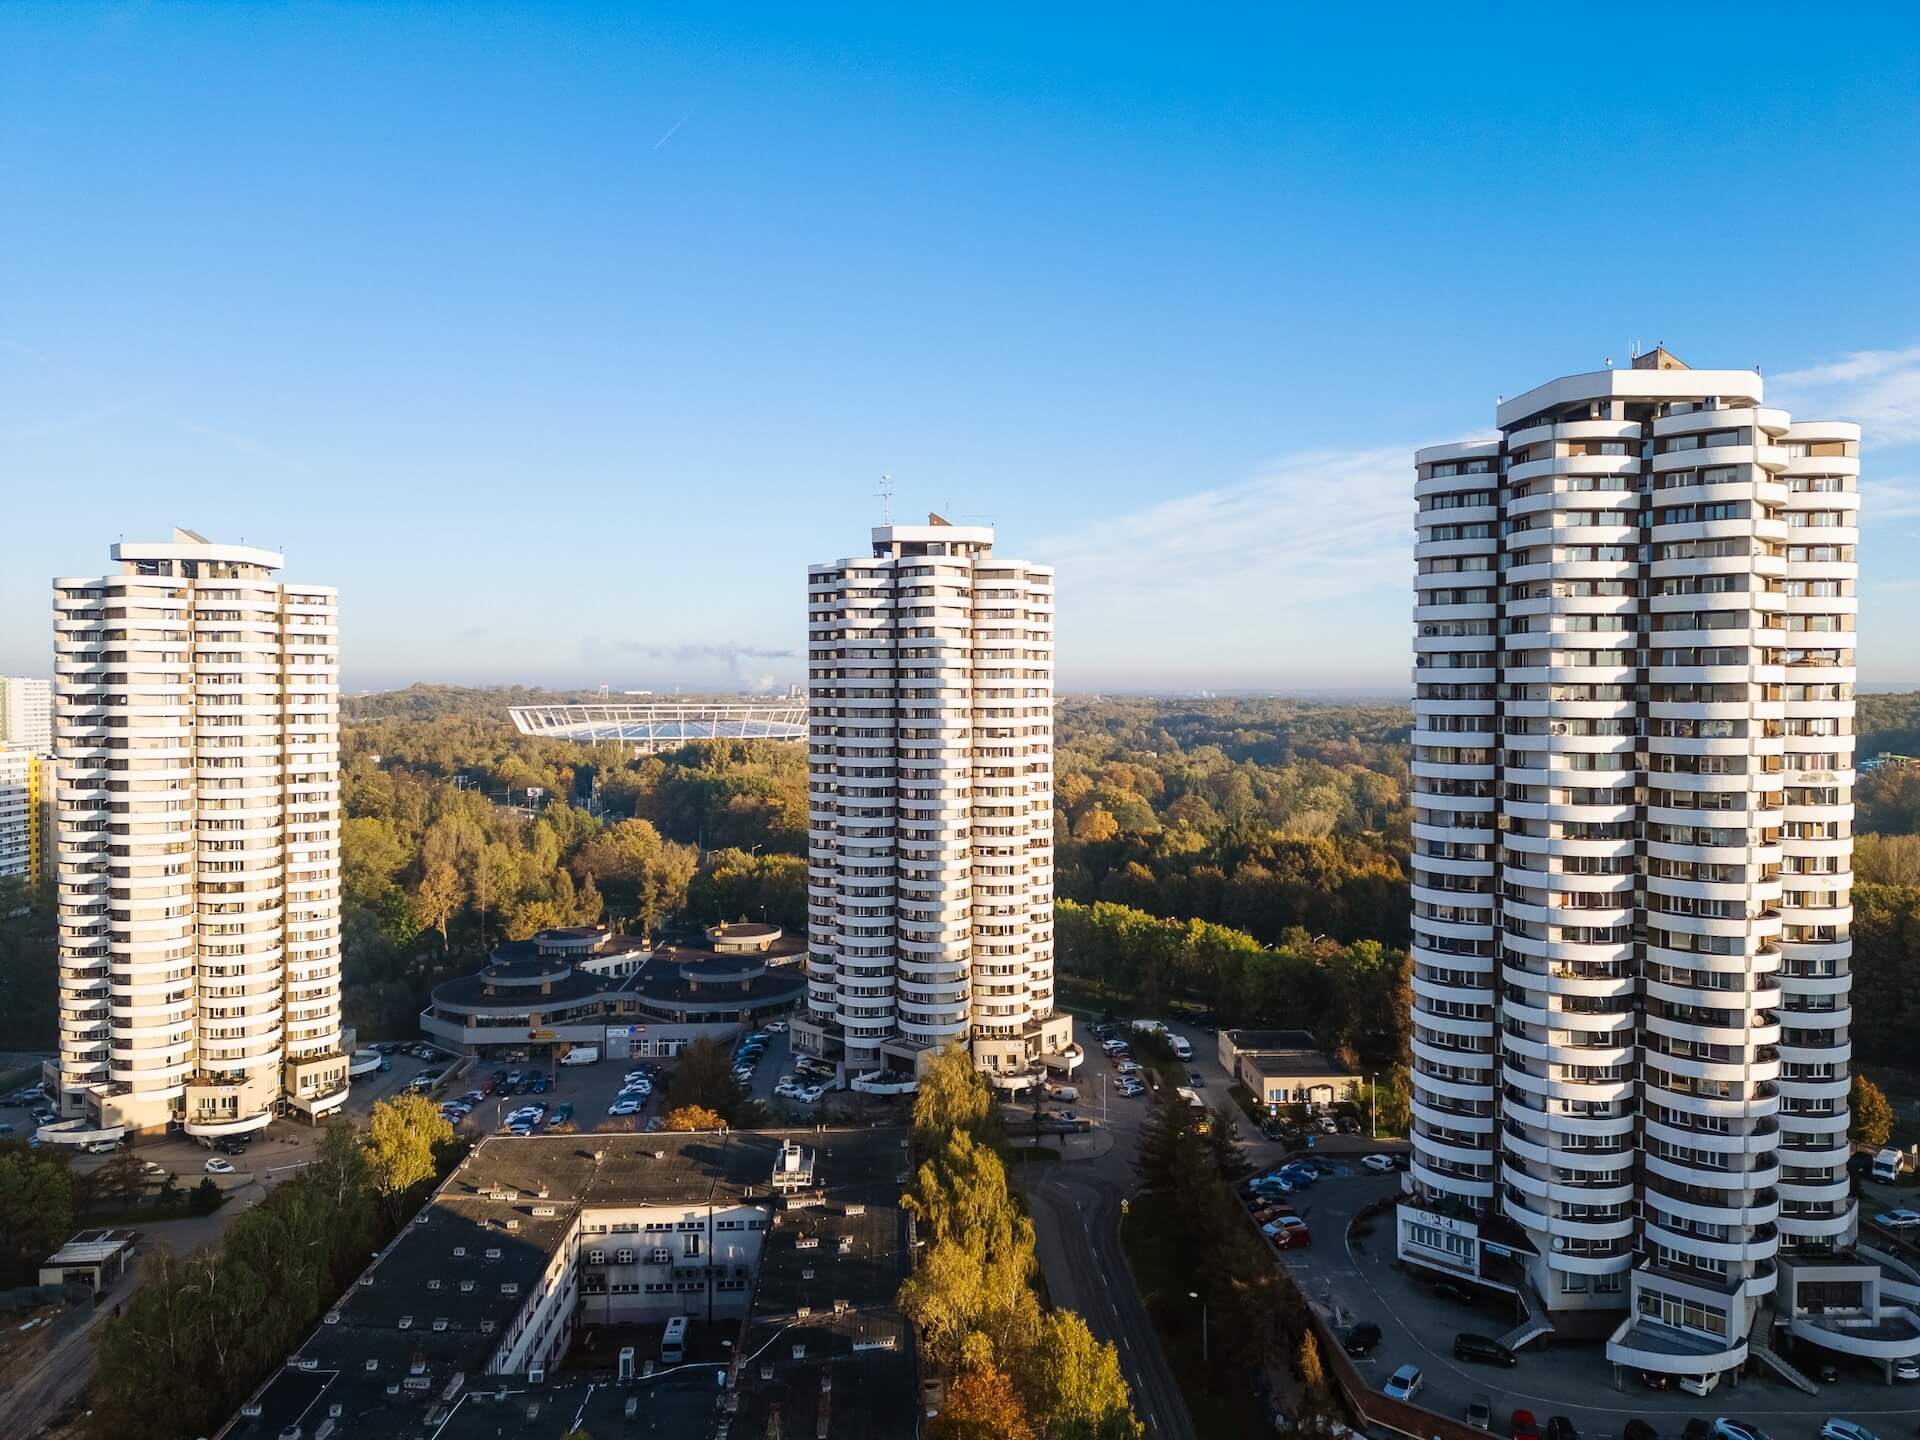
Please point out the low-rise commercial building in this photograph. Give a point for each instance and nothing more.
(1285, 1067)
(94, 1258)
(465, 1326)
(585, 985)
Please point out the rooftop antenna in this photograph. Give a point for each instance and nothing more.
(886, 499)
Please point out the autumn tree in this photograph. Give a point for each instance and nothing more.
(403, 1137)
(693, 1117)
(981, 1405)
(438, 897)
(952, 1096)
(1075, 1385)
(1872, 1121)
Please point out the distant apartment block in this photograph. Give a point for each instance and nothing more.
(930, 764)
(196, 728)
(26, 713)
(26, 814)
(1633, 817)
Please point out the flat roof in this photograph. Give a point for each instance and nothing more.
(430, 1313)
(90, 1247)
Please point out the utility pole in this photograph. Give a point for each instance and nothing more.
(1375, 1087)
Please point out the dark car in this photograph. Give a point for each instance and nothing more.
(1638, 1430)
(1452, 1290)
(1479, 1347)
(1361, 1339)
(1559, 1427)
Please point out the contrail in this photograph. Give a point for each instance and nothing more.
(676, 125)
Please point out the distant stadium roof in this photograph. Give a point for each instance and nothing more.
(663, 725)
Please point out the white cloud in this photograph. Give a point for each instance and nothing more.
(1301, 575)
(1878, 388)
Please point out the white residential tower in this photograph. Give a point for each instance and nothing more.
(196, 725)
(930, 763)
(1633, 784)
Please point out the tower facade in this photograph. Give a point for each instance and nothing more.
(930, 769)
(26, 712)
(196, 724)
(1633, 776)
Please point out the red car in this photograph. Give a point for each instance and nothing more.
(1524, 1426)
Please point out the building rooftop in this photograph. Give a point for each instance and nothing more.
(404, 1354)
(90, 1247)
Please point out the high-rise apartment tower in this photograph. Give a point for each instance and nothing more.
(1633, 809)
(196, 725)
(930, 766)
(26, 712)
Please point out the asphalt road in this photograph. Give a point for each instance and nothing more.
(1077, 1220)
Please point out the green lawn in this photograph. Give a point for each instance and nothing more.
(1218, 1407)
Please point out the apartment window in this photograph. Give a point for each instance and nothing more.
(1445, 1242)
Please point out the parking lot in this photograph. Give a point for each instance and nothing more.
(1354, 1281)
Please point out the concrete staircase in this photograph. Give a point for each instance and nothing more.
(1760, 1347)
(1533, 1324)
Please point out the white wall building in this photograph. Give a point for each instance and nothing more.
(196, 725)
(930, 873)
(1633, 772)
(18, 853)
(26, 712)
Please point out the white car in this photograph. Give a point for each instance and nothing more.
(624, 1107)
(1845, 1430)
(1725, 1429)
(786, 1085)
(1404, 1383)
(776, 1027)
(1899, 1219)
(217, 1166)
(810, 1094)
(1907, 1369)
(1379, 1164)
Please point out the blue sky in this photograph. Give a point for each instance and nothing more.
(561, 339)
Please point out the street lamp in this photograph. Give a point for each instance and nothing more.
(1204, 1358)
(1375, 1087)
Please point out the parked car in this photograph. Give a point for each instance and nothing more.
(1524, 1426)
(1360, 1339)
(1285, 1230)
(1483, 1349)
(1559, 1427)
(1902, 1219)
(101, 1147)
(1637, 1429)
(624, 1107)
(217, 1166)
(154, 1169)
(1404, 1383)
(1725, 1429)
(1480, 1411)
(1453, 1290)
(1907, 1369)
(776, 1027)
(1845, 1430)
(1379, 1164)
(1699, 1384)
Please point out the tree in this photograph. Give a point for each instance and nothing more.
(1872, 1114)
(953, 1096)
(1074, 1383)
(121, 1181)
(403, 1135)
(206, 1198)
(36, 1211)
(1313, 1375)
(437, 899)
(981, 1405)
(693, 1117)
(704, 1080)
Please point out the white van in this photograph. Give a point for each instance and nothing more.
(581, 1055)
(673, 1343)
(1888, 1164)
(1062, 1092)
(1699, 1384)
(1181, 1049)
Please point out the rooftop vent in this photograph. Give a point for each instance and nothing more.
(419, 1365)
(421, 1218)
(513, 1224)
(433, 1284)
(800, 1350)
(439, 1322)
(251, 1410)
(541, 1190)
(406, 1322)
(807, 1274)
(466, 1287)
(372, 1365)
(486, 1327)
(509, 1287)
(459, 1252)
(493, 1252)
(333, 1317)
(542, 1211)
